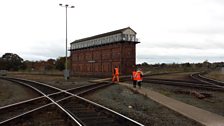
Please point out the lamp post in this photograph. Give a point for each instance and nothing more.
(66, 72)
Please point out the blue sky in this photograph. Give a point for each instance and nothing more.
(169, 31)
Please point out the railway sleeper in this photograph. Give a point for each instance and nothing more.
(11, 111)
(87, 114)
(81, 110)
(79, 106)
(58, 97)
(107, 124)
(98, 121)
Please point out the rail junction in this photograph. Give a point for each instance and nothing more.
(195, 80)
(75, 109)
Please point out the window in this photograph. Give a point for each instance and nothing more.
(99, 42)
(108, 39)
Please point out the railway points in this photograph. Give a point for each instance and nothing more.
(117, 119)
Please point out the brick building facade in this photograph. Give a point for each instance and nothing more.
(98, 55)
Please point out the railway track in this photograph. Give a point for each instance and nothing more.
(195, 81)
(199, 77)
(69, 103)
(183, 84)
(22, 107)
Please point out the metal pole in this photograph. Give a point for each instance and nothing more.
(66, 59)
(66, 72)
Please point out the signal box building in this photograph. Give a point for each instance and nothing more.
(99, 54)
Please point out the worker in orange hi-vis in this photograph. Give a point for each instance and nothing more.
(139, 77)
(134, 77)
(115, 75)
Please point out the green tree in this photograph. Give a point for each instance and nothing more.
(11, 61)
(50, 64)
(145, 64)
(60, 63)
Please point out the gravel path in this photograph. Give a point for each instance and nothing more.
(12, 93)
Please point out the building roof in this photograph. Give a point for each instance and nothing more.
(104, 34)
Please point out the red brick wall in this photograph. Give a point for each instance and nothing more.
(101, 60)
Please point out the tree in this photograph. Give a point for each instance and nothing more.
(206, 64)
(145, 64)
(2, 64)
(50, 64)
(11, 61)
(60, 63)
(186, 65)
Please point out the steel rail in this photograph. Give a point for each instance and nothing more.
(15, 110)
(178, 80)
(25, 113)
(199, 77)
(218, 81)
(33, 110)
(21, 102)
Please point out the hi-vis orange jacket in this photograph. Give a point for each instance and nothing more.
(134, 75)
(138, 77)
(116, 71)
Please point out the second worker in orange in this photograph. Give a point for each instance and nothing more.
(115, 75)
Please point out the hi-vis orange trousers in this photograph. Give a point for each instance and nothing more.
(115, 77)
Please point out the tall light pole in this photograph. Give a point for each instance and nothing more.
(66, 72)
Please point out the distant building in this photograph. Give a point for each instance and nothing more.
(99, 54)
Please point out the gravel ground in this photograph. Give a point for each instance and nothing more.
(138, 107)
(177, 76)
(47, 117)
(218, 75)
(58, 81)
(12, 93)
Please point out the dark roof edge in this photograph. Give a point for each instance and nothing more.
(103, 34)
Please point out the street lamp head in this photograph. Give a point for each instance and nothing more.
(67, 6)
